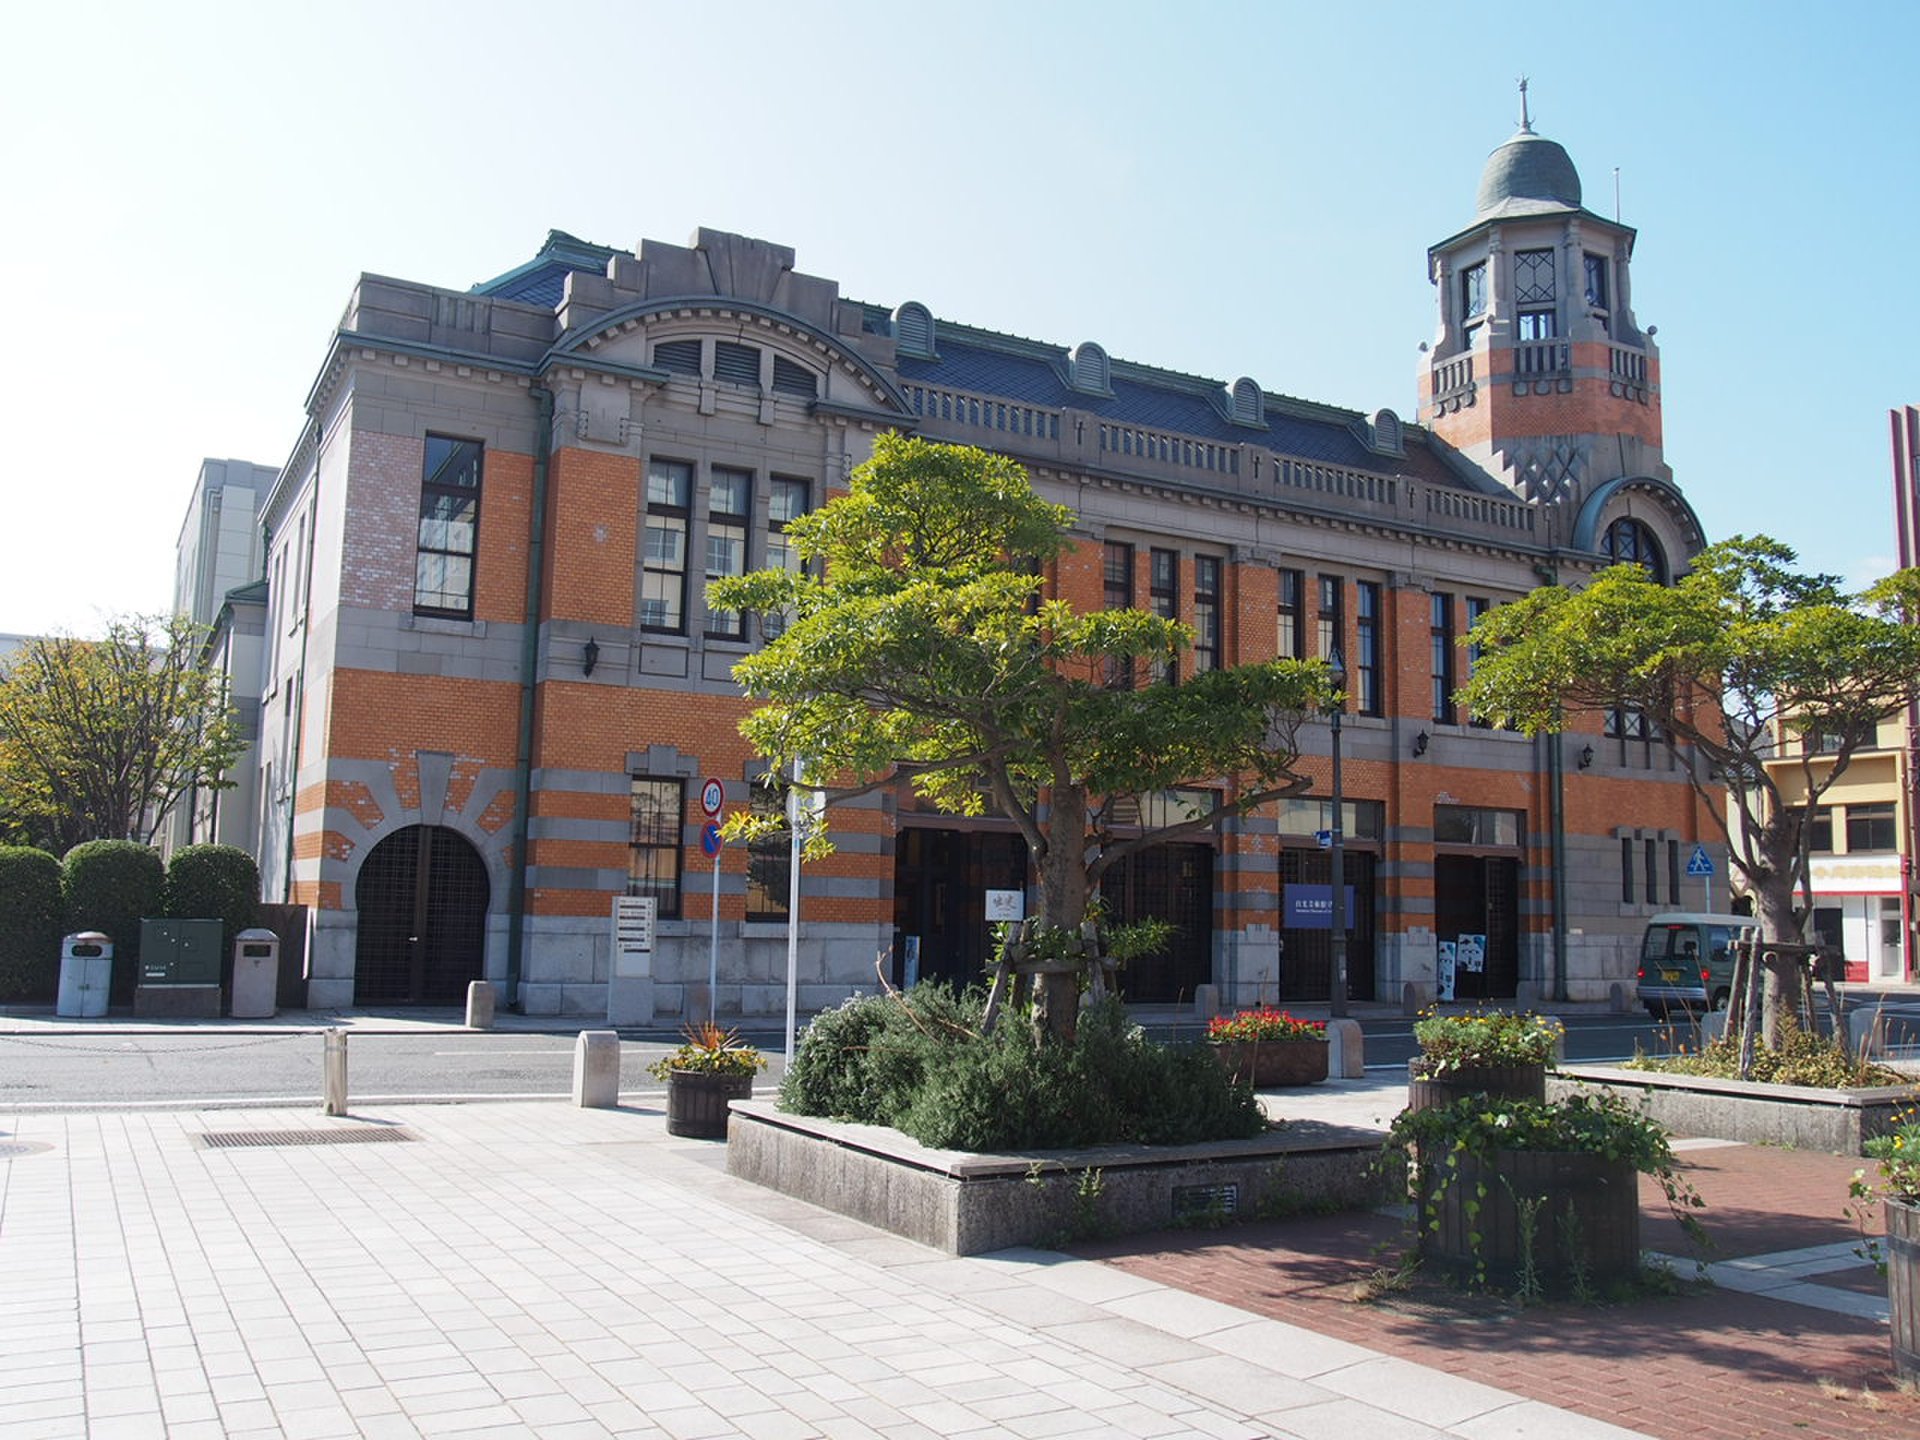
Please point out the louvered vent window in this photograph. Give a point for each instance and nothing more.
(1087, 369)
(913, 330)
(792, 379)
(739, 364)
(682, 357)
(1249, 405)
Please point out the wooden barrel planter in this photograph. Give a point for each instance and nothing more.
(1270, 1064)
(1502, 1082)
(1577, 1215)
(1903, 1285)
(697, 1102)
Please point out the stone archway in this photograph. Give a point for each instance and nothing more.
(422, 895)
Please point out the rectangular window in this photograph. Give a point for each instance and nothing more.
(1652, 848)
(663, 578)
(653, 844)
(769, 860)
(1478, 608)
(1440, 633)
(1331, 625)
(788, 499)
(1118, 594)
(1673, 872)
(1626, 869)
(449, 528)
(792, 379)
(1820, 830)
(1870, 827)
(1290, 642)
(1475, 825)
(1163, 592)
(738, 364)
(729, 513)
(1538, 325)
(1596, 276)
(1366, 648)
(1533, 279)
(1361, 819)
(682, 357)
(1206, 613)
(1473, 293)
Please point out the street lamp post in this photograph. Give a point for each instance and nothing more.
(1337, 849)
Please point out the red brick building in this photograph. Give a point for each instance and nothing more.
(493, 686)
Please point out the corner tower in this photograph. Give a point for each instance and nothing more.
(1538, 370)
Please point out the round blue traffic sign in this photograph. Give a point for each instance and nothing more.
(710, 841)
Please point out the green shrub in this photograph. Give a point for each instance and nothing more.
(213, 882)
(864, 1059)
(919, 1063)
(30, 915)
(1801, 1058)
(111, 886)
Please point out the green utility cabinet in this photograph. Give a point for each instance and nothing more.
(180, 952)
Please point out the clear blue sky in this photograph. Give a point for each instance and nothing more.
(192, 189)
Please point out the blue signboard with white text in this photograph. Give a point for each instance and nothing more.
(1310, 907)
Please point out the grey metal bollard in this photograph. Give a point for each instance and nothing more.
(479, 1005)
(596, 1069)
(1347, 1052)
(335, 1058)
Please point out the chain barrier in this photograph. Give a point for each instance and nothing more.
(127, 1046)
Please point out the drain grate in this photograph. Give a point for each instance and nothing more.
(13, 1149)
(263, 1139)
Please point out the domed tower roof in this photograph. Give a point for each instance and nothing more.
(1529, 175)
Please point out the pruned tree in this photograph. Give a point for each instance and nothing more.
(98, 738)
(920, 648)
(1740, 664)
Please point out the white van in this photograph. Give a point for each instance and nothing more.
(1686, 961)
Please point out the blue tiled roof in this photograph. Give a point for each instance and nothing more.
(1173, 406)
(542, 279)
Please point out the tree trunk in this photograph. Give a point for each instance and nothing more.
(1779, 956)
(1063, 905)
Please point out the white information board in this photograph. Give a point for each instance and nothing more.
(1006, 905)
(633, 935)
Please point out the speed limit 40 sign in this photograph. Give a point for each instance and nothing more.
(712, 796)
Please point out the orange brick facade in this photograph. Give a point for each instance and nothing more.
(465, 791)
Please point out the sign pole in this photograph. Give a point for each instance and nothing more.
(713, 795)
(713, 949)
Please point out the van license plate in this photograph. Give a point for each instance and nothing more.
(1672, 977)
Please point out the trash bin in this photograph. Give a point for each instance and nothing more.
(256, 975)
(86, 975)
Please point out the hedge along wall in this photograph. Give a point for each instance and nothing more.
(30, 930)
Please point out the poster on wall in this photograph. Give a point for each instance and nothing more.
(1470, 953)
(633, 917)
(910, 968)
(1443, 964)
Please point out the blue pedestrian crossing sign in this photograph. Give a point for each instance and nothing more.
(1700, 863)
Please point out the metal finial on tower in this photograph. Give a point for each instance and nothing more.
(1526, 122)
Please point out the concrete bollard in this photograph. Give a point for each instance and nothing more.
(334, 1067)
(596, 1069)
(1410, 999)
(479, 1005)
(1560, 1042)
(1347, 1055)
(1206, 1001)
(1709, 1028)
(1618, 1002)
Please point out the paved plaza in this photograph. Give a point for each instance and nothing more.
(530, 1268)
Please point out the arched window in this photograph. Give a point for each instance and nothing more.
(1632, 540)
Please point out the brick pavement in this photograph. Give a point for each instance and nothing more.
(1708, 1364)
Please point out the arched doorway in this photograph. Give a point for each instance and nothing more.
(422, 896)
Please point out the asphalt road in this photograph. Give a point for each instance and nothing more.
(228, 1066)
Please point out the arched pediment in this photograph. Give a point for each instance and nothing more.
(1664, 502)
(623, 338)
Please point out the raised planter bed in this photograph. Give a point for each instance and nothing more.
(966, 1204)
(1271, 1064)
(1569, 1218)
(1802, 1116)
(1426, 1090)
